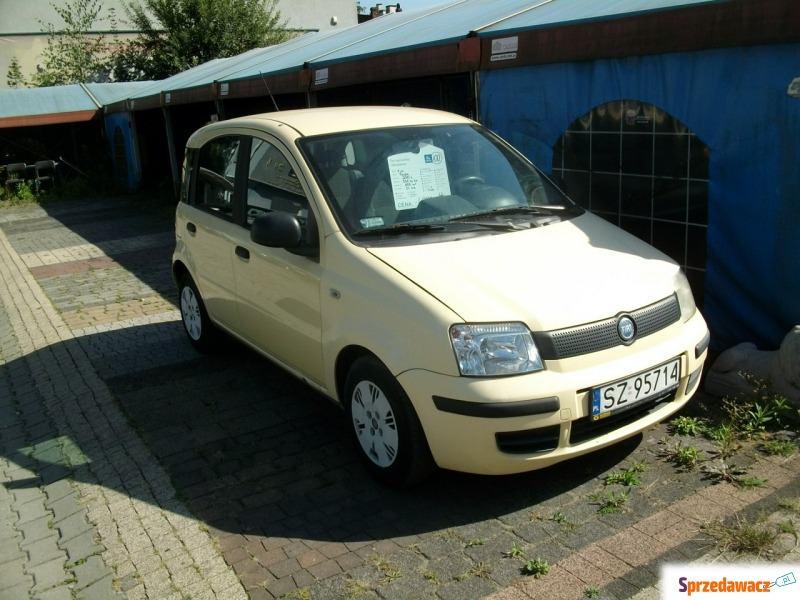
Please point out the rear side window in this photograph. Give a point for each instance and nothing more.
(216, 175)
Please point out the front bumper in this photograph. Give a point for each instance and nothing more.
(516, 424)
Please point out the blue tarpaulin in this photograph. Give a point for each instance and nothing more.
(736, 101)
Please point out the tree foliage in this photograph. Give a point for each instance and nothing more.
(176, 35)
(14, 77)
(72, 54)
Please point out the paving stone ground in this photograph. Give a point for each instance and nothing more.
(134, 467)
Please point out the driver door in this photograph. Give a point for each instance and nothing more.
(278, 292)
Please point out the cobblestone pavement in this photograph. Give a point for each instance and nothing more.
(133, 467)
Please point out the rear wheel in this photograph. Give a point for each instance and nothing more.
(201, 331)
(386, 429)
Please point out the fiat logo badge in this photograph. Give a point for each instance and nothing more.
(626, 329)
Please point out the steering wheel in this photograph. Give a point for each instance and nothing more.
(468, 180)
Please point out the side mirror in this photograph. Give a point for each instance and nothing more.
(276, 230)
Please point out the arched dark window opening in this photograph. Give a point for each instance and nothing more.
(643, 170)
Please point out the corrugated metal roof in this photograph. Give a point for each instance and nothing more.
(60, 104)
(108, 93)
(390, 33)
(561, 12)
(316, 47)
(442, 28)
(416, 29)
(406, 30)
(393, 32)
(283, 57)
(41, 101)
(189, 78)
(436, 25)
(273, 60)
(459, 19)
(560, 31)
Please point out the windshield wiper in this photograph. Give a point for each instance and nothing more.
(401, 228)
(511, 210)
(497, 225)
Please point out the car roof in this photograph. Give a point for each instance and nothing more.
(320, 121)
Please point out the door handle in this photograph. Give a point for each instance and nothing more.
(242, 252)
(191, 227)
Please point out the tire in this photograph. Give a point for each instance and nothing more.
(386, 430)
(201, 331)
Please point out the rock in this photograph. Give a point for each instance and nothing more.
(781, 368)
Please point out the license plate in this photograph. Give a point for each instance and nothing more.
(626, 392)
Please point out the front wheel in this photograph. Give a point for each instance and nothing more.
(387, 432)
(201, 331)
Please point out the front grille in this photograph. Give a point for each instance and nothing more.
(584, 429)
(601, 335)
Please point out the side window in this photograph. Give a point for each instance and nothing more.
(272, 185)
(216, 173)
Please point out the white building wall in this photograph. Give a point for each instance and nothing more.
(311, 15)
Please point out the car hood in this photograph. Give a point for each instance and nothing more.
(560, 275)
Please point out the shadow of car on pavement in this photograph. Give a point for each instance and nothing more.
(248, 448)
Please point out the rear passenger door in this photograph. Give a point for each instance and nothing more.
(278, 291)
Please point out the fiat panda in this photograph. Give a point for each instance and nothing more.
(417, 270)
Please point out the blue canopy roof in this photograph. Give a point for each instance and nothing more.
(61, 104)
(410, 29)
(438, 26)
(561, 12)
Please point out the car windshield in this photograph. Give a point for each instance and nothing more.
(398, 180)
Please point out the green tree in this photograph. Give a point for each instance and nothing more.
(176, 35)
(72, 54)
(14, 77)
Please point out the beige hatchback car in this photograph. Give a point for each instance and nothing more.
(421, 273)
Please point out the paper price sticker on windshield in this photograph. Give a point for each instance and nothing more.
(418, 175)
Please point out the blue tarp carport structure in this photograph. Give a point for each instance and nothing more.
(698, 64)
(63, 123)
(73, 103)
(47, 106)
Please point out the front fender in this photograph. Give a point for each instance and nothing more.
(372, 306)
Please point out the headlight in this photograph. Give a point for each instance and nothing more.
(494, 349)
(685, 297)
